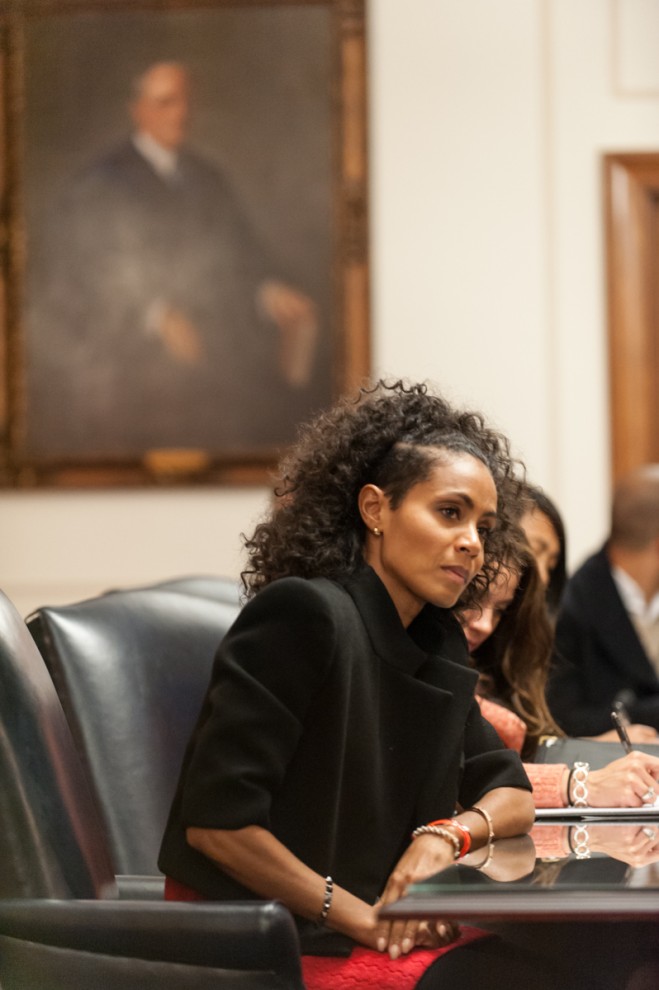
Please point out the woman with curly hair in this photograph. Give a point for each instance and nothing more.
(340, 755)
(510, 639)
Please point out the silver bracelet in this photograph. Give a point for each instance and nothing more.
(443, 833)
(327, 903)
(488, 820)
(580, 785)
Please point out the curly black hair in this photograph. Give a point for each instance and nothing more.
(389, 435)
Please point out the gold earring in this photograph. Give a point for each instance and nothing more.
(376, 531)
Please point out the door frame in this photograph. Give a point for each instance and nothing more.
(631, 194)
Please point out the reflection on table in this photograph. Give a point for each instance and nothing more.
(584, 870)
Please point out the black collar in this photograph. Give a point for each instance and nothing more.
(407, 649)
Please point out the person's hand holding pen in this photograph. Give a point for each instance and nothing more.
(629, 782)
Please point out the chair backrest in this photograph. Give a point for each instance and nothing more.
(131, 669)
(53, 841)
(219, 589)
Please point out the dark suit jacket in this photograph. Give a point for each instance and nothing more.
(120, 242)
(331, 725)
(598, 656)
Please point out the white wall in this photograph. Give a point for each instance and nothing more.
(65, 546)
(488, 120)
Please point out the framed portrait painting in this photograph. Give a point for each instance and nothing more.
(185, 269)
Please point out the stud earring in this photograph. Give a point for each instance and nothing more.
(376, 531)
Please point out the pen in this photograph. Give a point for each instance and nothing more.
(621, 709)
(621, 729)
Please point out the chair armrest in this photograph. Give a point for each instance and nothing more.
(246, 935)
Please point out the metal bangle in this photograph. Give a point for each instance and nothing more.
(484, 813)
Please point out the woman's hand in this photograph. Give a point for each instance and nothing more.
(258, 860)
(626, 783)
(426, 855)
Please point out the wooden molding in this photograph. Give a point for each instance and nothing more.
(631, 190)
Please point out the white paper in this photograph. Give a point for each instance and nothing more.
(646, 810)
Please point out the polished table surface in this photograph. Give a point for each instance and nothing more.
(578, 869)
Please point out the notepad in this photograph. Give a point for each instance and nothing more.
(646, 811)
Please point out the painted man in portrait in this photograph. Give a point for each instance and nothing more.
(168, 323)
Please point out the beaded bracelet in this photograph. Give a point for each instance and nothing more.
(465, 833)
(327, 902)
(488, 820)
(443, 833)
(464, 839)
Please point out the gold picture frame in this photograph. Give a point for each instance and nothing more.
(175, 328)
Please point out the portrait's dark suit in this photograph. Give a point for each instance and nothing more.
(598, 656)
(123, 244)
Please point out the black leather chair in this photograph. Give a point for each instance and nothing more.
(220, 589)
(131, 668)
(129, 945)
(61, 924)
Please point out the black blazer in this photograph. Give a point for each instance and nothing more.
(331, 725)
(598, 656)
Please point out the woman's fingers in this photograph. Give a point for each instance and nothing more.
(425, 856)
(447, 931)
(400, 938)
(628, 782)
